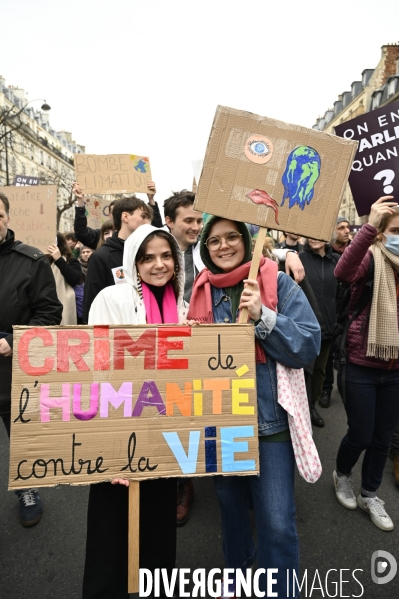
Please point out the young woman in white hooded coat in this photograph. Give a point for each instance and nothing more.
(151, 294)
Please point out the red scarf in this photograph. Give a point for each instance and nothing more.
(169, 306)
(201, 298)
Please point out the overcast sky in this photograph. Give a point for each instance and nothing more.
(145, 77)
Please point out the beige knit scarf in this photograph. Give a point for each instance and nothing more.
(67, 297)
(383, 338)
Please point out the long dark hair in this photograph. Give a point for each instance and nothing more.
(64, 248)
(107, 226)
(164, 235)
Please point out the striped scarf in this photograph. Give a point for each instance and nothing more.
(383, 337)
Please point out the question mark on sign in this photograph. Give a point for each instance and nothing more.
(388, 174)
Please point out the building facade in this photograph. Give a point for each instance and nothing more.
(30, 147)
(376, 88)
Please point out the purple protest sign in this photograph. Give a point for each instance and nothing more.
(375, 169)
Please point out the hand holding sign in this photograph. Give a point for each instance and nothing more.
(120, 481)
(250, 299)
(78, 193)
(151, 192)
(380, 209)
(5, 349)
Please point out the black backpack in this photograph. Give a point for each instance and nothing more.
(341, 327)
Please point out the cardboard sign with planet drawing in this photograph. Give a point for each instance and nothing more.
(273, 174)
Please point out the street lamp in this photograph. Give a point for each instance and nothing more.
(45, 107)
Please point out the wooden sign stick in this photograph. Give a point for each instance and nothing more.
(134, 537)
(253, 271)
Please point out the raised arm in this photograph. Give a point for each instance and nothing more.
(351, 267)
(157, 219)
(83, 233)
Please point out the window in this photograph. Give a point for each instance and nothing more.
(375, 102)
(392, 86)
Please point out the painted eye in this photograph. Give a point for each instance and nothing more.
(259, 148)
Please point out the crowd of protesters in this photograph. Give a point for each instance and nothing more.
(194, 268)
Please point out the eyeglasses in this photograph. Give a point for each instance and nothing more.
(232, 238)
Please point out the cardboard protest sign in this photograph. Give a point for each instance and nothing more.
(97, 211)
(111, 173)
(273, 174)
(93, 403)
(33, 214)
(375, 169)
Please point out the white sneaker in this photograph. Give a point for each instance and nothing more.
(344, 491)
(375, 507)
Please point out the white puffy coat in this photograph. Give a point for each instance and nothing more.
(121, 304)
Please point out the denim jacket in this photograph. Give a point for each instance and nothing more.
(290, 336)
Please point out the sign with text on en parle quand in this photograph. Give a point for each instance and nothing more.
(112, 173)
(90, 404)
(33, 214)
(375, 169)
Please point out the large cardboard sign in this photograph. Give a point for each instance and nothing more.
(33, 214)
(93, 403)
(375, 169)
(111, 173)
(273, 174)
(97, 211)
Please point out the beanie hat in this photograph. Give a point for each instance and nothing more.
(342, 219)
(204, 252)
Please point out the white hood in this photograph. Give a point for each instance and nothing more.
(131, 247)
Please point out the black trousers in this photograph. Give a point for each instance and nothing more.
(7, 423)
(106, 566)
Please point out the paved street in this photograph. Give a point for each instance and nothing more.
(47, 560)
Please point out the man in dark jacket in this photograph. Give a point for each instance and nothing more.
(90, 237)
(319, 262)
(27, 297)
(339, 243)
(105, 264)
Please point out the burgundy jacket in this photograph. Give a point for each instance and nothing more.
(353, 268)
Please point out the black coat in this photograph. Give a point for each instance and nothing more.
(298, 247)
(99, 271)
(27, 297)
(71, 271)
(319, 272)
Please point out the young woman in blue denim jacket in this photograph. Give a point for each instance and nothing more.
(286, 331)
